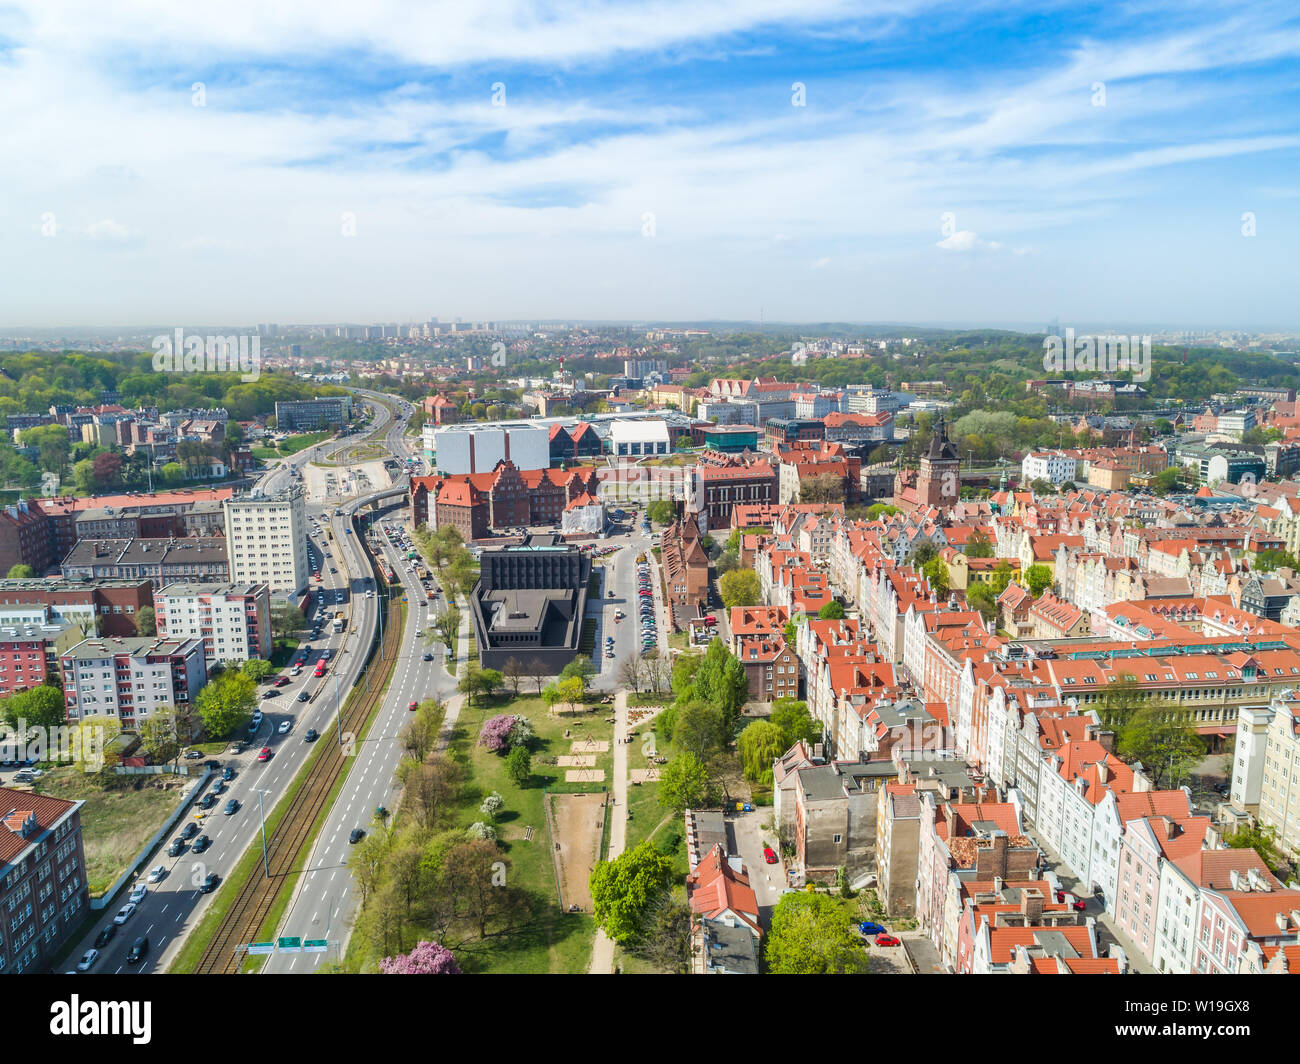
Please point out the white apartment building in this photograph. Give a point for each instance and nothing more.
(129, 678)
(267, 537)
(1266, 767)
(1053, 466)
(232, 620)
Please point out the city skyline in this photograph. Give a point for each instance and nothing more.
(810, 162)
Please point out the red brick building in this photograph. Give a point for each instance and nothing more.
(507, 497)
(22, 664)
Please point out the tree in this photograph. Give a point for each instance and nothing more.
(224, 703)
(447, 625)
(936, 574)
(496, 733)
(39, 707)
(519, 766)
(473, 873)
(1038, 578)
(631, 670)
(664, 938)
(285, 620)
(513, 671)
(980, 597)
(256, 669)
(21, 572)
(1120, 700)
(810, 936)
(417, 737)
(726, 562)
(761, 743)
(1002, 574)
(158, 735)
(428, 958)
(492, 805)
(1262, 838)
(1167, 748)
(623, 890)
(699, 729)
(978, 545)
(791, 632)
(684, 783)
(740, 587)
(662, 512)
(580, 669)
(721, 680)
(832, 611)
(792, 717)
(430, 786)
(145, 623)
(926, 552)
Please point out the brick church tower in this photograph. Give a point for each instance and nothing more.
(939, 482)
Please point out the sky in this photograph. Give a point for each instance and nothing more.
(667, 160)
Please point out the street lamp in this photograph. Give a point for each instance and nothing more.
(266, 859)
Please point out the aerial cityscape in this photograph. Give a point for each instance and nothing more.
(779, 489)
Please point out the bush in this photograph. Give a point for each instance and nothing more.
(480, 830)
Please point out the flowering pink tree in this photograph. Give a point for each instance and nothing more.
(496, 733)
(428, 958)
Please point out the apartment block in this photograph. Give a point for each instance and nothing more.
(130, 678)
(268, 540)
(232, 620)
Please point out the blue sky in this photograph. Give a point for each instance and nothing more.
(950, 163)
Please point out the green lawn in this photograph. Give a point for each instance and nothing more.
(120, 814)
(550, 941)
(265, 454)
(294, 444)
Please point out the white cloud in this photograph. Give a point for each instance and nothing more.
(107, 229)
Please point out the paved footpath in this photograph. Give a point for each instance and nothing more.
(602, 953)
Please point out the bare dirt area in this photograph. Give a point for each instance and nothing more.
(577, 825)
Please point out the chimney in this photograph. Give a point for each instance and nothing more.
(950, 819)
(1103, 772)
(1031, 905)
(1234, 879)
(1107, 740)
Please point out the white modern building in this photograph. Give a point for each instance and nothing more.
(129, 678)
(1053, 466)
(233, 621)
(267, 537)
(639, 438)
(478, 448)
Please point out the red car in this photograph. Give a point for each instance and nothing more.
(412, 706)
(1080, 905)
(887, 940)
(769, 855)
(280, 681)
(265, 755)
(1060, 896)
(320, 669)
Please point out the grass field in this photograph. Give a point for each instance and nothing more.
(549, 941)
(120, 815)
(294, 444)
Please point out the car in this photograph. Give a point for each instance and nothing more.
(189, 831)
(1080, 905)
(138, 893)
(138, 950)
(304, 696)
(158, 874)
(356, 836)
(105, 935)
(769, 855)
(240, 746)
(264, 754)
(202, 843)
(869, 928)
(254, 724)
(208, 801)
(193, 755)
(88, 960)
(125, 913)
(176, 848)
(273, 693)
(887, 940)
(412, 705)
(284, 727)
(232, 807)
(214, 765)
(311, 736)
(227, 774)
(428, 656)
(209, 883)
(1060, 896)
(419, 632)
(609, 654)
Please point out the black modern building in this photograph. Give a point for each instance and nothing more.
(530, 602)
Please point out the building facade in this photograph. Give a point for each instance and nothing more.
(268, 540)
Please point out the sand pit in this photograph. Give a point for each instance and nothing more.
(577, 823)
(584, 775)
(589, 746)
(576, 760)
(645, 775)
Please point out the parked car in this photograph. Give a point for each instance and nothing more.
(193, 755)
(138, 893)
(769, 855)
(105, 935)
(1080, 905)
(88, 960)
(125, 913)
(273, 693)
(869, 928)
(887, 940)
(158, 874)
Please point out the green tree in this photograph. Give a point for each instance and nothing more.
(980, 597)
(924, 553)
(579, 668)
(792, 717)
(447, 625)
(662, 512)
(761, 743)
(39, 707)
(1262, 838)
(791, 632)
(721, 680)
(1038, 578)
(1120, 700)
(979, 545)
(145, 622)
(21, 572)
(224, 703)
(623, 890)
(832, 611)
(256, 669)
(740, 587)
(684, 783)
(1002, 573)
(1168, 748)
(936, 574)
(810, 936)
(285, 620)
(158, 735)
(519, 765)
(698, 728)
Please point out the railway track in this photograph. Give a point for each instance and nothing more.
(285, 845)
